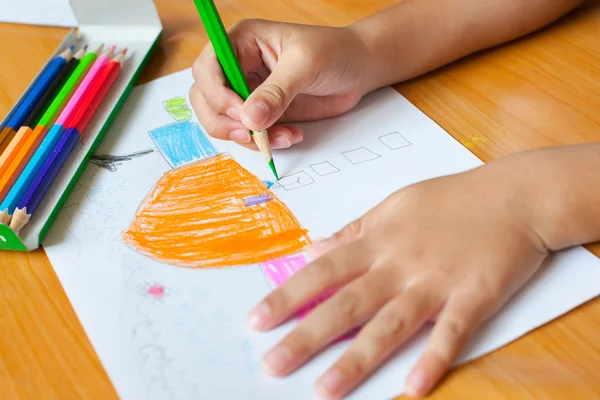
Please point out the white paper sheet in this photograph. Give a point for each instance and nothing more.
(189, 339)
(38, 12)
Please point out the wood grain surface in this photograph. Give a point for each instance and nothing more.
(543, 90)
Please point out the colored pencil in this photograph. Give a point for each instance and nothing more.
(34, 97)
(25, 131)
(33, 154)
(24, 96)
(75, 101)
(231, 67)
(54, 163)
(59, 103)
(6, 132)
(43, 180)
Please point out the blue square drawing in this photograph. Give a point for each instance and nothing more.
(182, 143)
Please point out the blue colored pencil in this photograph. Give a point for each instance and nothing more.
(40, 87)
(44, 179)
(25, 94)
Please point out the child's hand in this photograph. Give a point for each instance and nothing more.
(450, 250)
(298, 72)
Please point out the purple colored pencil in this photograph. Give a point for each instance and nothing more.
(43, 180)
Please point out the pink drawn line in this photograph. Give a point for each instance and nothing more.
(281, 269)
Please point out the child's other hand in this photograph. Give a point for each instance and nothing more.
(450, 250)
(297, 73)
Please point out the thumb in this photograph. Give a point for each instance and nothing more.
(270, 100)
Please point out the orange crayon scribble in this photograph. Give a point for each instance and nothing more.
(196, 217)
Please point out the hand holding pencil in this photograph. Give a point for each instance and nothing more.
(297, 73)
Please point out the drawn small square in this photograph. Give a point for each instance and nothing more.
(360, 155)
(296, 181)
(394, 141)
(324, 168)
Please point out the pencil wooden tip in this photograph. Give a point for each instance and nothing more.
(110, 53)
(67, 54)
(121, 56)
(80, 53)
(261, 138)
(4, 217)
(20, 218)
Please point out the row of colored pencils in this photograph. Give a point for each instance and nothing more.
(52, 116)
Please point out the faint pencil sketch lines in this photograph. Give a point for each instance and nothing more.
(394, 141)
(324, 168)
(360, 155)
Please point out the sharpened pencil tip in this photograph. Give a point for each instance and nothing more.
(272, 166)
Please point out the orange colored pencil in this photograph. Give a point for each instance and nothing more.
(14, 169)
(6, 136)
(13, 147)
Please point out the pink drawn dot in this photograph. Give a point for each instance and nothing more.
(156, 291)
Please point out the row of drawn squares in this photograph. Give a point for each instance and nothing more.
(300, 179)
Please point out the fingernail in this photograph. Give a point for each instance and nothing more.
(331, 382)
(234, 113)
(297, 138)
(416, 383)
(277, 360)
(258, 113)
(281, 142)
(240, 136)
(259, 316)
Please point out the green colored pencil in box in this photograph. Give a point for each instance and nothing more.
(231, 67)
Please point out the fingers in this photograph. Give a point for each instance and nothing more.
(349, 233)
(317, 278)
(269, 101)
(457, 322)
(211, 82)
(345, 310)
(218, 107)
(217, 125)
(392, 326)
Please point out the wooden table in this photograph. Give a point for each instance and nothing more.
(541, 91)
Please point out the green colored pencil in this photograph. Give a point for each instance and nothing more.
(67, 90)
(231, 67)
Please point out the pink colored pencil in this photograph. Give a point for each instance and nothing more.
(73, 103)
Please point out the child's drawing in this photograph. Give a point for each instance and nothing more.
(360, 155)
(182, 143)
(178, 108)
(324, 168)
(296, 180)
(394, 141)
(111, 162)
(208, 214)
